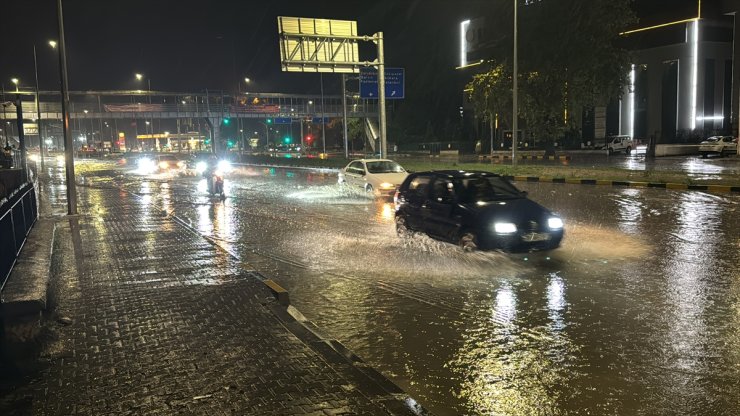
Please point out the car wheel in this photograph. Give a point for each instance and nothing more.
(369, 188)
(469, 242)
(402, 229)
(627, 150)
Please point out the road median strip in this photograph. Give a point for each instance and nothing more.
(634, 184)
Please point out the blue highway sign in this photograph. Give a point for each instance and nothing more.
(394, 83)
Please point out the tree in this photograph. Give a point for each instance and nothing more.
(569, 59)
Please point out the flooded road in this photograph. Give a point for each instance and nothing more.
(637, 313)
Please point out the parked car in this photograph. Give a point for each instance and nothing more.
(619, 144)
(718, 145)
(381, 177)
(477, 210)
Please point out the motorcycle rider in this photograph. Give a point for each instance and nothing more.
(208, 173)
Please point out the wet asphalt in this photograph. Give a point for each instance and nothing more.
(637, 313)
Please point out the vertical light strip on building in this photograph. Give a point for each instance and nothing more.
(463, 51)
(632, 101)
(694, 71)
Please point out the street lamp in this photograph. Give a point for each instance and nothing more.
(16, 82)
(247, 80)
(53, 44)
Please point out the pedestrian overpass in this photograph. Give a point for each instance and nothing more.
(212, 107)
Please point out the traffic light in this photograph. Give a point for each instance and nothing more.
(269, 121)
(286, 140)
(309, 139)
(227, 121)
(230, 143)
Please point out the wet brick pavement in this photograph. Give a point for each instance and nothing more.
(163, 322)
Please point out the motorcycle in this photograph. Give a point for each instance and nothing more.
(214, 174)
(216, 184)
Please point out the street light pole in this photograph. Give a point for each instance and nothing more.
(38, 110)
(515, 115)
(323, 124)
(344, 113)
(68, 144)
(381, 96)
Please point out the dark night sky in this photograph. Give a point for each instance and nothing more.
(189, 45)
(193, 45)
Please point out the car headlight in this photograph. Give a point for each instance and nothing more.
(224, 166)
(181, 164)
(145, 163)
(201, 167)
(504, 228)
(554, 223)
(387, 185)
(60, 159)
(35, 158)
(163, 165)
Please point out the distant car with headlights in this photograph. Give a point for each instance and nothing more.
(477, 210)
(161, 164)
(718, 145)
(381, 177)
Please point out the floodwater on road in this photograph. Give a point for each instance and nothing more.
(637, 313)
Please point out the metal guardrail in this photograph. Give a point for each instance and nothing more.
(18, 213)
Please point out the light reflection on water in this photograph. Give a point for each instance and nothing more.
(575, 333)
(689, 269)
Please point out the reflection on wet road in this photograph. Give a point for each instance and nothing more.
(637, 313)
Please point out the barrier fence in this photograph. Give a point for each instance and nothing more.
(18, 213)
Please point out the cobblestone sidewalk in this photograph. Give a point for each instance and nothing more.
(150, 318)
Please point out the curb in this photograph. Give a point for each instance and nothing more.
(525, 157)
(370, 381)
(633, 184)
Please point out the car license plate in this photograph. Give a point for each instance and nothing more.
(532, 237)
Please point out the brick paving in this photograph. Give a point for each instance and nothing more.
(163, 322)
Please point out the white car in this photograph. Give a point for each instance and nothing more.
(619, 143)
(718, 145)
(381, 177)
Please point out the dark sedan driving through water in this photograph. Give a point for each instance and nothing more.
(477, 210)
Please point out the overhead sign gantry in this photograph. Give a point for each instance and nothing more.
(323, 45)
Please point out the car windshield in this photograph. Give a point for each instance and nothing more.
(167, 158)
(478, 189)
(384, 166)
(712, 139)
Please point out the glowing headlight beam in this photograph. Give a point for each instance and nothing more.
(504, 227)
(555, 223)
